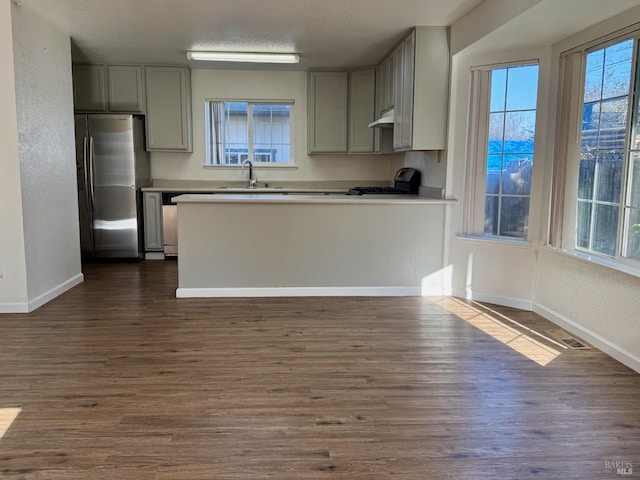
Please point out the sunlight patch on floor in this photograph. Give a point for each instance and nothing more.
(7, 416)
(502, 329)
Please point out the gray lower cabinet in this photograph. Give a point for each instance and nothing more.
(327, 112)
(152, 208)
(168, 108)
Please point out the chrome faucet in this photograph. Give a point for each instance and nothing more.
(253, 182)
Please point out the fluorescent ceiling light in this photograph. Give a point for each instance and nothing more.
(244, 57)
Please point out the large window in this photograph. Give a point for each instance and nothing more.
(256, 131)
(501, 145)
(608, 204)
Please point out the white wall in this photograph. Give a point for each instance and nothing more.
(13, 277)
(46, 157)
(499, 272)
(598, 303)
(265, 85)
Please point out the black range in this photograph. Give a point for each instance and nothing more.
(405, 182)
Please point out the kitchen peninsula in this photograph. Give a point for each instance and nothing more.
(287, 245)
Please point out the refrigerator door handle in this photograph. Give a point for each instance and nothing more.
(91, 175)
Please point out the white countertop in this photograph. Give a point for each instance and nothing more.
(266, 198)
(257, 191)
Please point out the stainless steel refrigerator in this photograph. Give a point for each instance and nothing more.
(112, 167)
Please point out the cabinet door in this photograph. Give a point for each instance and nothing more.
(431, 77)
(152, 205)
(168, 109)
(385, 85)
(89, 88)
(407, 90)
(125, 88)
(361, 110)
(398, 70)
(327, 112)
(389, 86)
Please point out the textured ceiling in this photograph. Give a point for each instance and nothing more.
(326, 33)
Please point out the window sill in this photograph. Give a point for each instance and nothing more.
(519, 242)
(287, 166)
(596, 260)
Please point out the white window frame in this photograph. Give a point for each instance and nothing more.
(211, 145)
(476, 153)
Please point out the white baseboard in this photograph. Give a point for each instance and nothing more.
(56, 291)
(615, 351)
(512, 302)
(300, 292)
(154, 256)
(40, 300)
(14, 308)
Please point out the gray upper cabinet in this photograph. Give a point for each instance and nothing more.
(362, 84)
(125, 88)
(385, 84)
(340, 107)
(327, 112)
(168, 109)
(421, 89)
(89, 89)
(112, 88)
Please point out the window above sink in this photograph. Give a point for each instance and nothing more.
(248, 130)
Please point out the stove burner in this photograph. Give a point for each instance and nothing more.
(377, 191)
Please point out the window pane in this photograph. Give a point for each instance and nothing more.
(496, 132)
(609, 179)
(634, 182)
(519, 131)
(584, 224)
(522, 88)
(516, 176)
(633, 235)
(593, 76)
(282, 154)
(587, 175)
(236, 130)
(613, 122)
(494, 171)
(590, 126)
(271, 127)
(617, 67)
(498, 89)
(491, 215)
(514, 216)
(605, 229)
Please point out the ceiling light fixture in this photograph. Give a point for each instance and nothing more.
(246, 57)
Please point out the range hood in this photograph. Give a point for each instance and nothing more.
(385, 121)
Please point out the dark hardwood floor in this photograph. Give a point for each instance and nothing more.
(118, 379)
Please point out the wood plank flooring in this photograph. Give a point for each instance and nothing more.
(118, 379)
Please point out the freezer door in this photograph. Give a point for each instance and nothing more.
(113, 193)
(84, 187)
